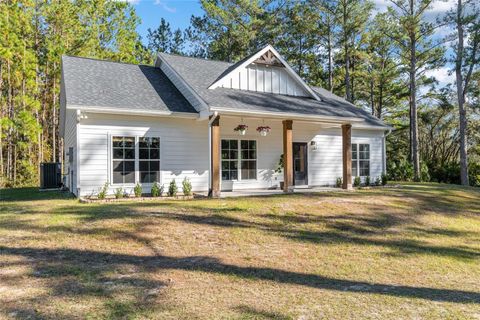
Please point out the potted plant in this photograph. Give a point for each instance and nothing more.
(241, 128)
(264, 130)
(279, 169)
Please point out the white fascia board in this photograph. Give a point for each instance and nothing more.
(286, 115)
(97, 109)
(187, 86)
(289, 69)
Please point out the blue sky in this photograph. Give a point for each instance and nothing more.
(176, 12)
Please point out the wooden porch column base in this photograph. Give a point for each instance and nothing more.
(347, 156)
(214, 192)
(287, 156)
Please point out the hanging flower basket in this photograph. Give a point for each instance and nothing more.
(264, 130)
(241, 129)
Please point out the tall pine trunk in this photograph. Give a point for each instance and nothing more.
(413, 101)
(461, 97)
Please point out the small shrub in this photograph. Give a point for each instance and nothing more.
(157, 190)
(119, 193)
(103, 191)
(172, 189)
(356, 181)
(378, 182)
(187, 186)
(339, 183)
(367, 181)
(384, 179)
(137, 190)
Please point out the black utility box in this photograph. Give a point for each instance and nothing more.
(50, 175)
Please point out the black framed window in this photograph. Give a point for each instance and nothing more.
(149, 159)
(123, 156)
(360, 160)
(229, 159)
(248, 159)
(239, 159)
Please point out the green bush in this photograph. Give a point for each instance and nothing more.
(137, 190)
(172, 189)
(378, 182)
(367, 181)
(339, 182)
(187, 187)
(356, 181)
(119, 193)
(157, 190)
(384, 179)
(103, 191)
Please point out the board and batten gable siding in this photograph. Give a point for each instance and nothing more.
(70, 141)
(261, 78)
(183, 149)
(324, 164)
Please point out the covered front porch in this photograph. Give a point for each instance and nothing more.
(298, 155)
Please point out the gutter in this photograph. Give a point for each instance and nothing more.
(214, 116)
(126, 111)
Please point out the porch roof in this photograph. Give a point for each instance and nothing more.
(199, 74)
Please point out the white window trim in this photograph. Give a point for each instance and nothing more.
(239, 160)
(358, 159)
(137, 160)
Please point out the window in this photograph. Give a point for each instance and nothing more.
(123, 157)
(249, 159)
(360, 160)
(149, 159)
(239, 154)
(130, 154)
(229, 159)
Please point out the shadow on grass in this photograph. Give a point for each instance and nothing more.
(32, 194)
(247, 312)
(55, 262)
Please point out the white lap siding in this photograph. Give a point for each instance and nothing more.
(70, 141)
(183, 149)
(324, 163)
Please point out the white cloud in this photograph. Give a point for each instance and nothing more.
(442, 75)
(165, 6)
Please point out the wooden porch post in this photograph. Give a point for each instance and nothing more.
(215, 158)
(347, 156)
(287, 156)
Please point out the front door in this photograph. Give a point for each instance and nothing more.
(300, 164)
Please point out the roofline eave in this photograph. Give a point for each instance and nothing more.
(122, 111)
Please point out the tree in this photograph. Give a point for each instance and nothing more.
(418, 53)
(159, 40)
(353, 17)
(466, 19)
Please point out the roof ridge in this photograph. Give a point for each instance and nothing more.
(106, 60)
(196, 58)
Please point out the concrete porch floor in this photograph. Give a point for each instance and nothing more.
(270, 192)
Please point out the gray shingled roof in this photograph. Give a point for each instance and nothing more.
(201, 73)
(97, 83)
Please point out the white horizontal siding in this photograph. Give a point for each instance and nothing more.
(324, 164)
(183, 149)
(70, 141)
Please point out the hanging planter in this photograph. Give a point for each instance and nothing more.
(264, 130)
(241, 129)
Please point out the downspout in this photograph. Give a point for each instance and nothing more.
(213, 117)
(385, 135)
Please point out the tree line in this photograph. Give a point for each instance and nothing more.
(383, 62)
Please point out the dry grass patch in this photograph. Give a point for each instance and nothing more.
(406, 252)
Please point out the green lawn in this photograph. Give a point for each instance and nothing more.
(412, 251)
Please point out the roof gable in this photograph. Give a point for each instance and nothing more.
(264, 71)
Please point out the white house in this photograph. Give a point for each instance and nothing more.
(126, 124)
